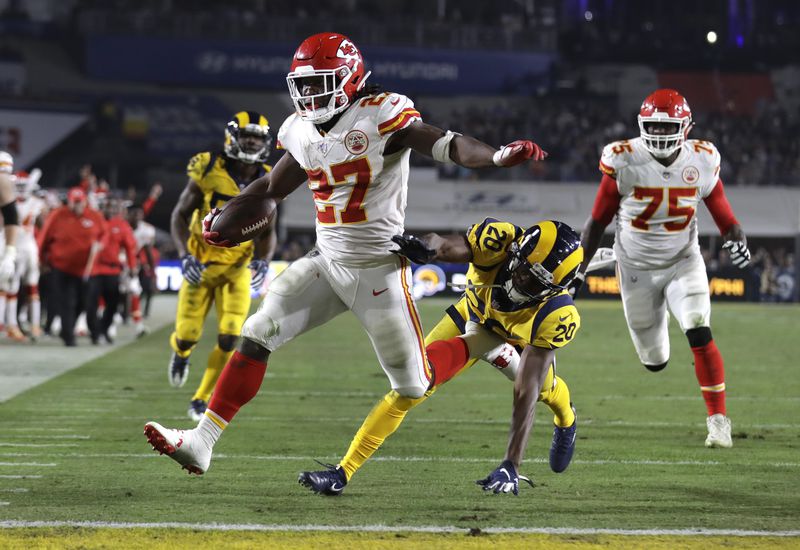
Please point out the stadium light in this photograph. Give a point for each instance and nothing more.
(711, 37)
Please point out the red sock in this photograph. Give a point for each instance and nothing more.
(239, 383)
(447, 357)
(710, 372)
(136, 308)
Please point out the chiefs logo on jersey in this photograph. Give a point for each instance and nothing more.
(356, 141)
(690, 174)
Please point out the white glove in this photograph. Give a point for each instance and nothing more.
(134, 285)
(8, 264)
(740, 256)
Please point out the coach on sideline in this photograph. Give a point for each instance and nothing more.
(68, 243)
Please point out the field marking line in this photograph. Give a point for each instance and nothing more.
(2, 503)
(444, 459)
(38, 445)
(690, 532)
(15, 490)
(45, 464)
(28, 436)
(18, 476)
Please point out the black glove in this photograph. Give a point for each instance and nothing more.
(576, 283)
(413, 249)
(503, 479)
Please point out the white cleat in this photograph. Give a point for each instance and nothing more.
(719, 431)
(182, 446)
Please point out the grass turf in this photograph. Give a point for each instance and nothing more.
(640, 461)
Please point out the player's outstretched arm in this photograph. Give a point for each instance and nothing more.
(451, 248)
(463, 150)
(533, 367)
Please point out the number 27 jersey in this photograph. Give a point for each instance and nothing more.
(360, 195)
(656, 222)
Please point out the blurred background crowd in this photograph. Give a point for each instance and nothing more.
(109, 96)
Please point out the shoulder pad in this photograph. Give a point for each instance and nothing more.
(394, 111)
(198, 165)
(705, 152)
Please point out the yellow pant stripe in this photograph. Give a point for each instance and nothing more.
(717, 388)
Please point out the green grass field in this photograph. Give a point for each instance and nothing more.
(640, 462)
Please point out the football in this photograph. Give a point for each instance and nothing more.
(244, 217)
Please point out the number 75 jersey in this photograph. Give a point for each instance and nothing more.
(656, 222)
(360, 195)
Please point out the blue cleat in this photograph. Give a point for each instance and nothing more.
(178, 370)
(329, 482)
(563, 446)
(197, 408)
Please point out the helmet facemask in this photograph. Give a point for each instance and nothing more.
(318, 94)
(663, 144)
(236, 149)
(528, 283)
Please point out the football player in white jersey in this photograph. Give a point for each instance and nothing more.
(8, 211)
(26, 275)
(352, 144)
(654, 184)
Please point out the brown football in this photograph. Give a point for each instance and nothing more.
(244, 217)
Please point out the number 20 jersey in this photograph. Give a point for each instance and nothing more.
(360, 195)
(656, 222)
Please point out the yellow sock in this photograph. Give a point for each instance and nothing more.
(173, 342)
(557, 398)
(216, 362)
(381, 422)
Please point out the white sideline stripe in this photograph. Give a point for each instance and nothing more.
(14, 476)
(71, 436)
(15, 524)
(468, 460)
(8, 444)
(35, 428)
(4, 503)
(46, 464)
(15, 490)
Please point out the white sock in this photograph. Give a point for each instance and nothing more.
(208, 430)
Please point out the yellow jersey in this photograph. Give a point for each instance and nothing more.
(209, 172)
(549, 324)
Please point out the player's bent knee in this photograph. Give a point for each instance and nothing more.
(184, 344)
(260, 328)
(226, 342)
(412, 392)
(253, 350)
(699, 337)
(656, 368)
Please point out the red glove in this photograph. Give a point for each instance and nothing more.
(518, 152)
(212, 237)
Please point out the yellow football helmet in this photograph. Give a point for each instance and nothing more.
(542, 262)
(239, 134)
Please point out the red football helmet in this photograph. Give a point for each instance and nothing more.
(664, 122)
(327, 72)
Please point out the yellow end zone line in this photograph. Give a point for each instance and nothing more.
(690, 532)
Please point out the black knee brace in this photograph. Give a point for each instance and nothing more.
(226, 342)
(656, 368)
(699, 337)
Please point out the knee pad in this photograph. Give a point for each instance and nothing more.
(656, 368)
(226, 342)
(699, 337)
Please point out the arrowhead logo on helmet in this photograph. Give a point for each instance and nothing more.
(326, 74)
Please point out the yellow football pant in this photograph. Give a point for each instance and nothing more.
(228, 288)
(389, 412)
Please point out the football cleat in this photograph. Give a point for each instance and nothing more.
(719, 431)
(178, 370)
(329, 482)
(15, 334)
(563, 446)
(196, 409)
(182, 446)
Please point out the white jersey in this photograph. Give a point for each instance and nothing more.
(28, 210)
(656, 222)
(145, 235)
(359, 194)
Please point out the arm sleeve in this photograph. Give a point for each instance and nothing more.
(147, 205)
(720, 209)
(43, 238)
(606, 203)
